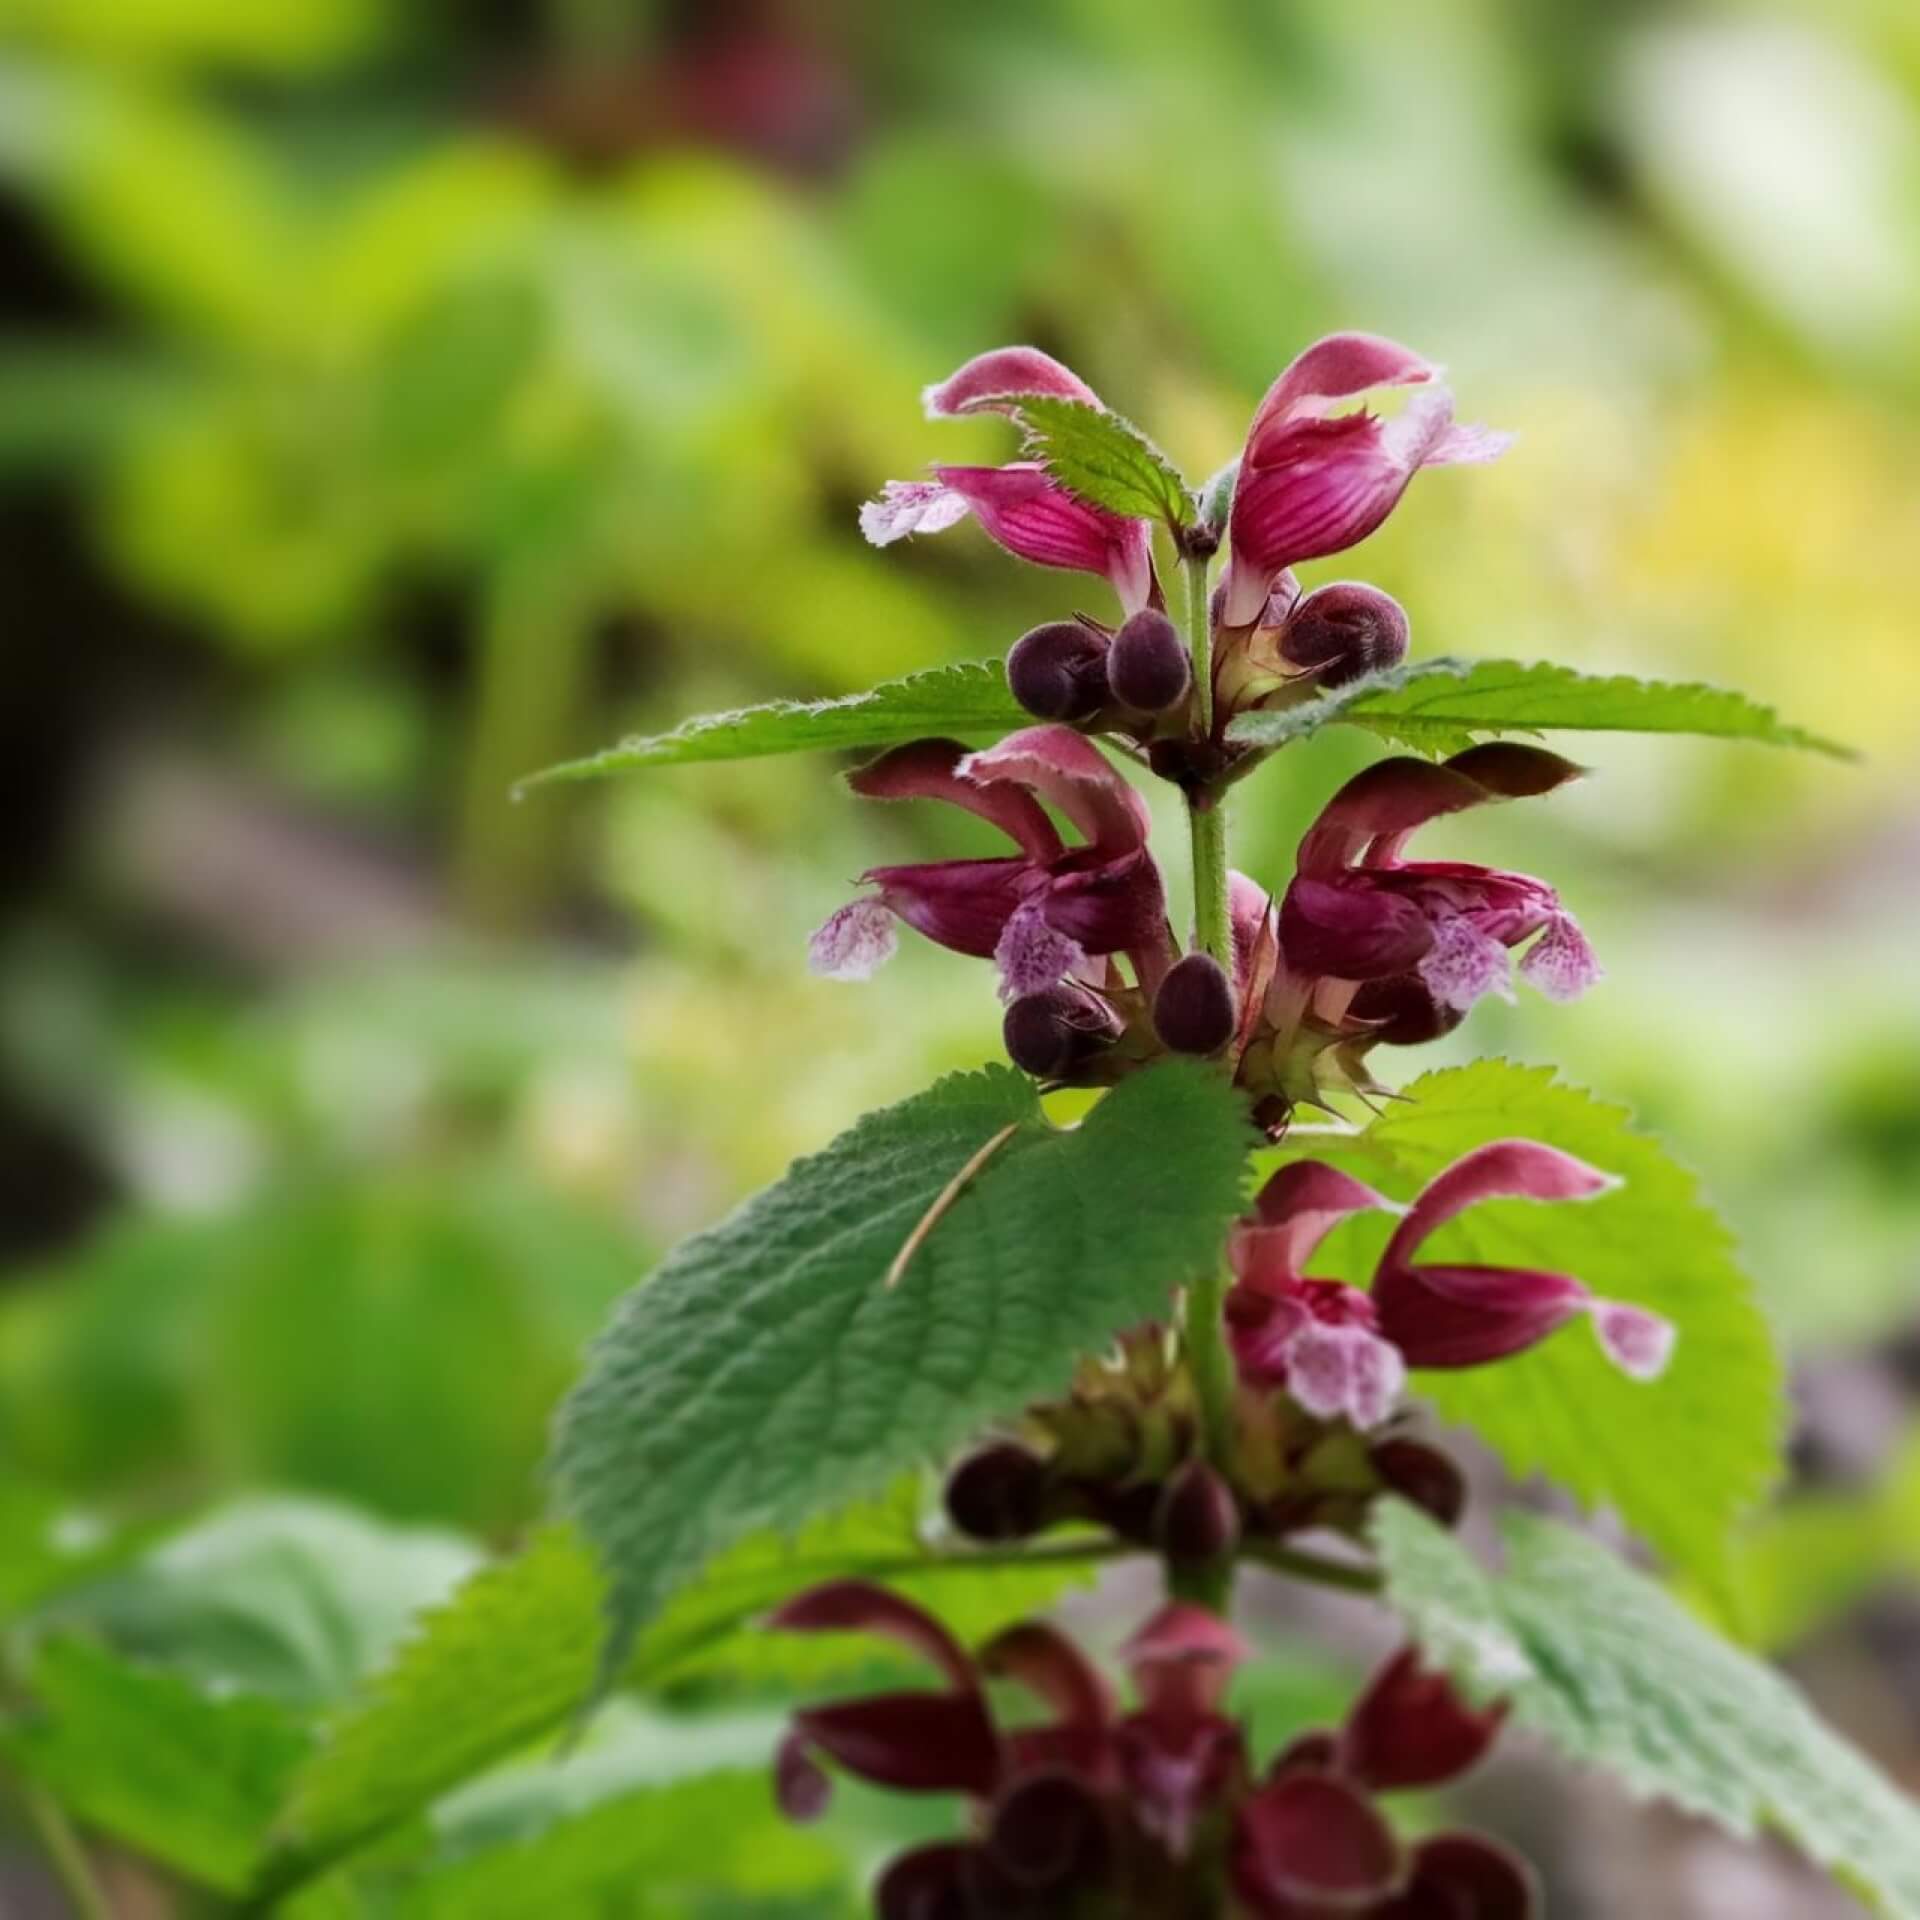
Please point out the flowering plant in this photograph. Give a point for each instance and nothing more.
(1197, 1325)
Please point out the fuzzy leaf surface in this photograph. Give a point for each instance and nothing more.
(964, 699)
(1104, 460)
(1440, 706)
(1681, 1458)
(767, 1372)
(1618, 1674)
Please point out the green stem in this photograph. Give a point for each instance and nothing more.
(1314, 1568)
(66, 1855)
(1206, 815)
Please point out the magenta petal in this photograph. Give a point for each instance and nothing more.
(1033, 518)
(1176, 1766)
(1351, 932)
(1311, 1840)
(1466, 1316)
(1465, 1876)
(1335, 368)
(1067, 769)
(1411, 1729)
(963, 905)
(858, 1606)
(931, 770)
(912, 1742)
(1182, 1659)
(988, 379)
(1501, 1170)
(1261, 1327)
(1115, 907)
(1305, 1201)
(1391, 797)
(1043, 1660)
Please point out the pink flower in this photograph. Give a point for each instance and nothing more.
(1018, 505)
(1343, 1353)
(1045, 913)
(1358, 911)
(1314, 483)
(1310, 1842)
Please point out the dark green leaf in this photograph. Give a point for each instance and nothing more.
(1680, 1458)
(1104, 460)
(768, 1372)
(1618, 1674)
(1440, 706)
(967, 699)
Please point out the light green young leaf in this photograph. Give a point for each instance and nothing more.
(146, 1756)
(1617, 1674)
(1680, 1458)
(622, 1856)
(1104, 460)
(768, 1371)
(508, 1659)
(965, 699)
(1440, 706)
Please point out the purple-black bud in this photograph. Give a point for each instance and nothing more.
(1193, 1011)
(1199, 1519)
(1422, 1474)
(1059, 671)
(1147, 665)
(933, 1882)
(999, 1493)
(1051, 1033)
(1342, 631)
(1402, 1012)
(1048, 1832)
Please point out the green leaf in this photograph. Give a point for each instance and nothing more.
(1616, 1673)
(964, 699)
(768, 1371)
(1680, 1458)
(508, 1659)
(1440, 706)
(1104, 460)
(144, 1755)
(620, 1857)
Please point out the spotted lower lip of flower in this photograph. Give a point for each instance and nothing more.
(1046, 913)
(1312, 483)
(1017, 505)
(1358, 911)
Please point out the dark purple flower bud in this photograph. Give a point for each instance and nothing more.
(998, 1494)
(1131, 1511)
(1469, 1875)
(1048, 1832)
(930, 1883)
(1410, 1729)
(800, 1784)
(1147, 665)
(1199, 1518)
(1193, 1011)
(1423, 1475)
(1402, 1012)
(1342, 631)
(1050, 1033)
(1059, 671)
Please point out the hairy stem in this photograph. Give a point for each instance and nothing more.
(65, 1855)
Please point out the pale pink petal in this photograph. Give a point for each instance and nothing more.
(911, 506)
(1501, 1170)
(1560, 964)
(1348, 1372)
(855, 943)
(1303, 1203)
(1639, 1343)
(1464, 964)
(1032, 955)
(989, 379)
(1468, 446)
(1067, 769)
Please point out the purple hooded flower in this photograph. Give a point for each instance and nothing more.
(1310, 1842)
(1358, 911)
(1342, 1352)
(1018, 505)
(1313, 482)
(1044, 914)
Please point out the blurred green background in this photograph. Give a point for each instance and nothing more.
(397, 398)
